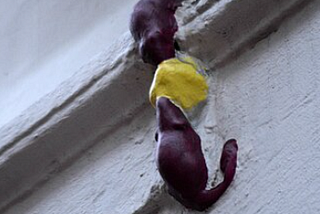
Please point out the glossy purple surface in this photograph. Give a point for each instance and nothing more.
(181, 162)
(153, 26)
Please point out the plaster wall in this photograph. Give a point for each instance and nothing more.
(267, 99)
(44, 43)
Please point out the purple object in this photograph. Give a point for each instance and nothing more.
(153, 26)
(181, 162)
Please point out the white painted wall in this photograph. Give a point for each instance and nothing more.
(267, 99)
(44, 43)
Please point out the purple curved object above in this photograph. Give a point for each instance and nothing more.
(153, 26)
(181, 162)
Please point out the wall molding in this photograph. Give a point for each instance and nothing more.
(113, 86)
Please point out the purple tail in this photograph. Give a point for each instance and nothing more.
(228, 164)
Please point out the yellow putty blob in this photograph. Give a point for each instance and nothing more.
(179, 80)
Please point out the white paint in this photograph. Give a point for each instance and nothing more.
(267, 99)
(44, 43)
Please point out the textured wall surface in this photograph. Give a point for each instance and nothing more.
(267, 99)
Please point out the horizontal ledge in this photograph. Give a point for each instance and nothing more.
(228, 28)
(95, 101)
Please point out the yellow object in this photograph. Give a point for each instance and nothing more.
(179, 81)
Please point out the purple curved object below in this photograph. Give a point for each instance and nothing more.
(153, 26)
(180, 160)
